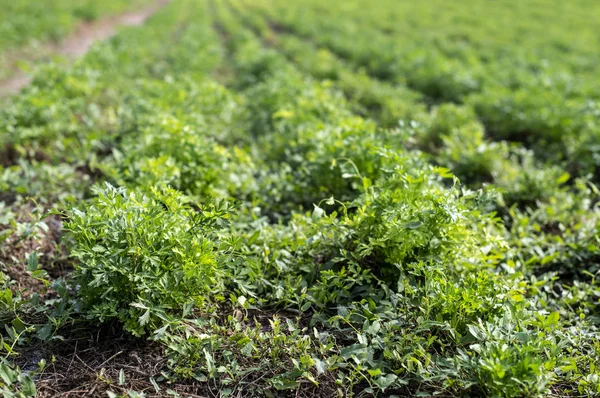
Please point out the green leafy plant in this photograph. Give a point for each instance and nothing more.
(144, 257)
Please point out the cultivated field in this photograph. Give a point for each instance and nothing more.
(274, 198)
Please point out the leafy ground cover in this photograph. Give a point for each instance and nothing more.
(28, 27)
(265, 198)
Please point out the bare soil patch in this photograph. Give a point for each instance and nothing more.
(53, 257)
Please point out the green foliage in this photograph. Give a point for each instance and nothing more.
(16, 383)
(27, 21)
(413, 208)
(29, 29)
(143, 257)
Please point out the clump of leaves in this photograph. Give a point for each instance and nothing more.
(144, 256)
(15, 383)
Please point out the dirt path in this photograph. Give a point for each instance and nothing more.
(77, 44)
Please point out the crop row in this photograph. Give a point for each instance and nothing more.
(540, 92)
(279, 219)
(28, 29)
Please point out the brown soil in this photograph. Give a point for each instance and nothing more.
(52, 255)
(92, 360)
(90, 365)
(79, 42)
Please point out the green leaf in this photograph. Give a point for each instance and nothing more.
(563, 178)
(374, 372)
(29, 387)
(384, 382)
(476, 332)
(317, 212)
(553, 318)
(414, 224)
(32, 262)
(99, 249)
(241, 300)
(283, 383)
(7, 374)
(320, 366)
(355, 350)
(45, 332)
(145, 318)
(247, 349)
